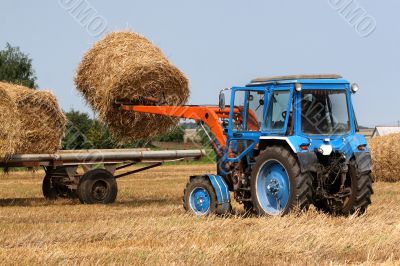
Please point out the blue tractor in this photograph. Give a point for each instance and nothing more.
(290, 141)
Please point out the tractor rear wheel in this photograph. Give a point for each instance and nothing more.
(97, 186)
(277, 184)
(360, 196)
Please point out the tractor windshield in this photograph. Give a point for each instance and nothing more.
(324, 112)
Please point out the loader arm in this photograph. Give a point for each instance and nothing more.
(209, 115)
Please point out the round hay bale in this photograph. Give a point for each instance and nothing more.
(9, 124)
(125, 65)
(385, 153)
(42, 121)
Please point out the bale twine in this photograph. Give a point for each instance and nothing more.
(9, 124)
(385, 153)
(42, 121)
(125, 65)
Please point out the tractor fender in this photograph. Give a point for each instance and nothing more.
(308, 161)
(221, 190)
(273, 139)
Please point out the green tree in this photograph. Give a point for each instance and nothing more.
(77, 131)
(16, 67)
(100, 137)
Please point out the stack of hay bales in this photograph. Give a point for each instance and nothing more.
(385, 153)
(125, 65)
(32, 122)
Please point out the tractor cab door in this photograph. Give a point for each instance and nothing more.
(279, 113)
(248, 105)
(247, 110)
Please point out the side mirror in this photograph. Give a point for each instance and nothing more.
(221, 101)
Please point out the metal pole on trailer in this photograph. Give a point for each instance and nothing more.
(97, 156)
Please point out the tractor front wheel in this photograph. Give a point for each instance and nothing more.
(199, 197)
(277, 184)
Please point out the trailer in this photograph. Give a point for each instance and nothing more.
(97, 182)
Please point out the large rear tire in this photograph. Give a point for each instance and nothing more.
(359, 199)
(277, 184)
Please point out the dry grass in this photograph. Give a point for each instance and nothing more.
(386, 157)
(125, 65)
(36, 116)
(147, 225)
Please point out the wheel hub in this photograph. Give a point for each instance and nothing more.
(273, 186)
(99, 190)
(200, 201)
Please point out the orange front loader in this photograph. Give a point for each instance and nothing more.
(209, 115)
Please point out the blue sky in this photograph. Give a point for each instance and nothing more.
(223, 43)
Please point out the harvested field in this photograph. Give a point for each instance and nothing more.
(385, 153)
(125, 65)
(41, 120)
(147, 224)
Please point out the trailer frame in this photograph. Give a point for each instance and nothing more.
(62, 179)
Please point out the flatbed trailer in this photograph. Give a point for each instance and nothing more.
(96, 183)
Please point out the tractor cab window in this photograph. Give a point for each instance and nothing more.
(249, 109)
(277, 110)
(324, 112)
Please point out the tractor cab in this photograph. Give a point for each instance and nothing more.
(312, 112)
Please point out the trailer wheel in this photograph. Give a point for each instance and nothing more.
(97, 186)
(53, 187)
(49, 192)
(277, 184)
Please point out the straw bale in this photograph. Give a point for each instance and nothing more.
(125, 65)
(9, 124)
(42, 122)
